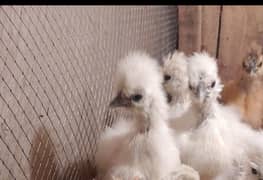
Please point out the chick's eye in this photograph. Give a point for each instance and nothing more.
(136, 97)
(260, 64)
(213, 84)
(190, 87)
(167, 77)
(254, 171)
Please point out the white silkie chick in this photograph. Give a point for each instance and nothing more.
(183, 114)
(186, 114)
(143, 143)
(232, 140)
(208, 148)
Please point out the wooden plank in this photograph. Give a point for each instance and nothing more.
(198, 28)
(210, 24)
(241, 26)
(189, 18)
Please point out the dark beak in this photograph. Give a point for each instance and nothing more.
(169, 97)
(120, 101)
(250, 67)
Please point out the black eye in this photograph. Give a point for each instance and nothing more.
(167, 77)
(254, 171)
(213, 84)
(190, 87)
(136, 97)
(260, 64)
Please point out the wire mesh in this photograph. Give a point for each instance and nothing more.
(56, 71)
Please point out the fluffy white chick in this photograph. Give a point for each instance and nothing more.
(234, 140)
(144, 143)
(207, 148)
(183, 114)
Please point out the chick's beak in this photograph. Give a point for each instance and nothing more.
(200, 91)
(120, 101)
(168, 97)
(251, 67)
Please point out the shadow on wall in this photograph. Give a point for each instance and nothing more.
(44, 163)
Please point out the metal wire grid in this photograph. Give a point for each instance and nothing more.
(56, 70)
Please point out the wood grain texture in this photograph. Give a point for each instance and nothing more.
(241, 26)
(189, 18)
(228, 32)
(198, 28)
(209, 31)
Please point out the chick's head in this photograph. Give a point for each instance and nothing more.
(139, 83)
(175, 74)
(252, 64)
(204, 81)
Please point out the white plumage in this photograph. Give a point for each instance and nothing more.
(211, 138)
(219, 147)
(183, 173)
(183, 114)
(124, 173)
(143, 144)
(222, 136)
(208, 148)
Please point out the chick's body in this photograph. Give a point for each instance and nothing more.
(210, 136)
(142, 151)
(208, 147)
(183, 114)
(143, 143)
(246, 93)
(247, 96)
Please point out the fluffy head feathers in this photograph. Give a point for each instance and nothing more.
(138, 71)
(203, 76)
(253, 62)
(175, 73)
(139, 86)
(202, 65)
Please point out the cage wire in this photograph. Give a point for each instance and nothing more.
(56, 71)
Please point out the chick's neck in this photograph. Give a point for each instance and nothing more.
(155, 117)
(158, 111)
(208, 108)
(180, 103)
(180, 97)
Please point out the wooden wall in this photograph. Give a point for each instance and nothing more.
(225, 31)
